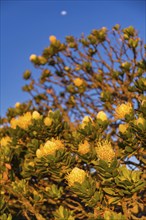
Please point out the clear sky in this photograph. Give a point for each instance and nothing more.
(27, 25)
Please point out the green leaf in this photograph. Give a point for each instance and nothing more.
(109, 191)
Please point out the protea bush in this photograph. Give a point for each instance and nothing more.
(77, 149)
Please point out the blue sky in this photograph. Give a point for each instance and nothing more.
(27, 25)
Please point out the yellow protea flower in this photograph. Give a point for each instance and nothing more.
(39, 153)
(36, 115)
(105, 151)
(13, 123)
(33, 57)
(122, 110)
(84, 148)
(5, 141)
(101, 115)
(85, 121)
(52, 39)
(78, 82)
(22, 121)
(123, 128)
(140, 120)
(76, 175)
(48, 121)
(49, 148)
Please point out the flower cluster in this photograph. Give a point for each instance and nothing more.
(122, 110)
(76, 175)
(22, 121)
(78, 82)
(49, 148)
(25, 120)
(105, 151)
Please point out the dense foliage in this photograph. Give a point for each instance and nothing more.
(77, 149)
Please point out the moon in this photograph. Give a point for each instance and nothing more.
(63, 13)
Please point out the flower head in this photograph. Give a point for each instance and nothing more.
(85, 121)
(123, 128)
(17, 105)
(101, 115)
(49, 148)
(22, 121)
(78, 82)
(36, 115)
(52, 39)
(5, 141)
(33, 57)
(84, 148)
(48, 121)
(105, 151)
(140, 120)
(76, 175)
(122, 110)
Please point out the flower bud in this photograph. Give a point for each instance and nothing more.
(36, 115)
(52, 39)
(78, 82)
(17, 105)
(85, 121)
(27, 74)
(102, 116)
(33, 58)
(140, 120)
(48, 121)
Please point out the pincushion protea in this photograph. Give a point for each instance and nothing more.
(105, 151)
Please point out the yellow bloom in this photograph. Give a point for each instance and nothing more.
(84, 148)
(48, 121)
(66, 68)
(36, 115)
(85, 121)
(17, 105)
(140, 120)
(122, 110)
(39, 153)
(76, 175)
(14, 123)
(33, 57)
(22, 121)
(5, 141)
(78, 82)
(105, 151)
(123, 128)
(101, 115)
(49, 148)
(52, 39)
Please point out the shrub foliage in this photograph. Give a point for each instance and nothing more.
(77, 149)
